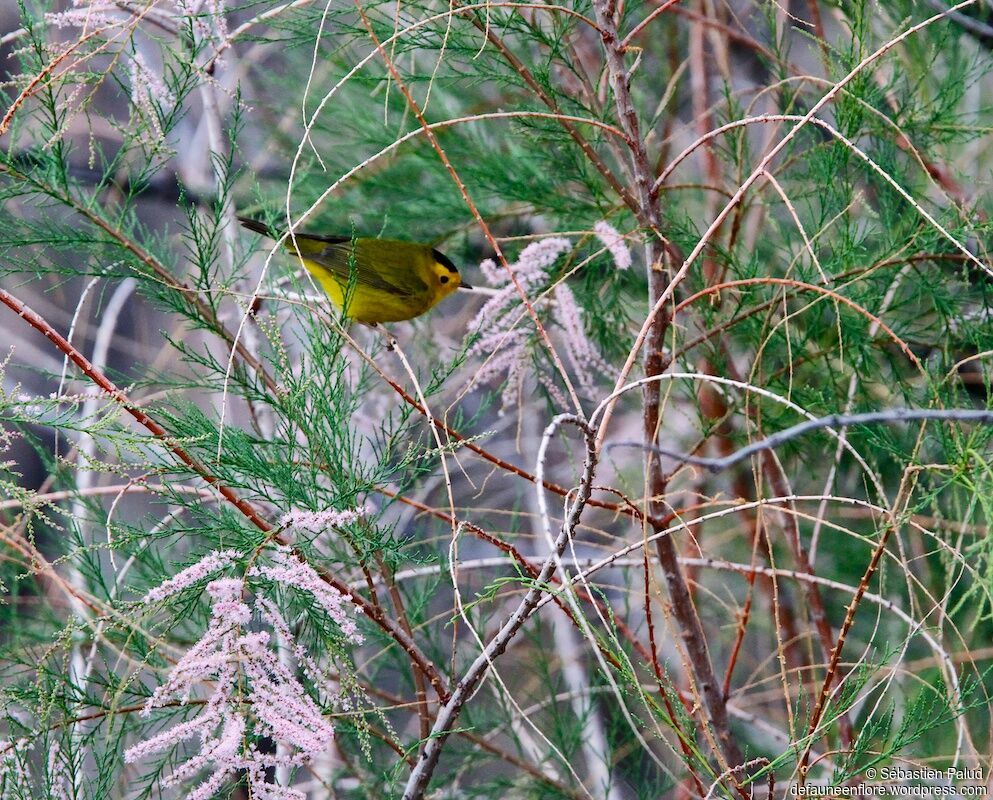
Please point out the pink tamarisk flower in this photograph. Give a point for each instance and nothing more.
(247, 691)
(212, 562)
(289, 569)
(583, 355)
(614, 242)
(501, 342)
(317, 521)
(505, 337)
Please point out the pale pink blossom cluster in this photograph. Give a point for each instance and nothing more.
(87, 15)
(252, 693)
(614, 242)
(504, 335)
(59, 782)
(289, 569)
(150, 97)
(317, 521)
(271, 615)
(206, 566)
(13, 773)
(530, 270)
(148, 91)
(207, 18)
(583, 355)
(502, 342)
(32, 406)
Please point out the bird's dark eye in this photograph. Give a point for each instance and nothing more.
(443, 279)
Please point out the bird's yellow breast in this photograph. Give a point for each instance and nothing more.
(368, 304)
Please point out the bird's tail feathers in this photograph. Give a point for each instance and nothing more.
(258, 227)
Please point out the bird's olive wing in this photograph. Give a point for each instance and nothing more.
(378, 264)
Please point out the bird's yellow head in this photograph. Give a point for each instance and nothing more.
(443, 276)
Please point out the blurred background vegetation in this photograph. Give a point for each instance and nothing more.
(842, 585)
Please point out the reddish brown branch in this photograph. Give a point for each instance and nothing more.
(203, 309)
(371, 610)
(37, 322)
(846, 626)
(656, 362)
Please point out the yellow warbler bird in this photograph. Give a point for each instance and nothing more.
(394, 280)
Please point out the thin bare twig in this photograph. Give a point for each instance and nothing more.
(894, 415)
(420, 776)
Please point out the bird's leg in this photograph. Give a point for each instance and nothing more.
(391, 342)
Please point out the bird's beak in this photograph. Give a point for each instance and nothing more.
(463, 284)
